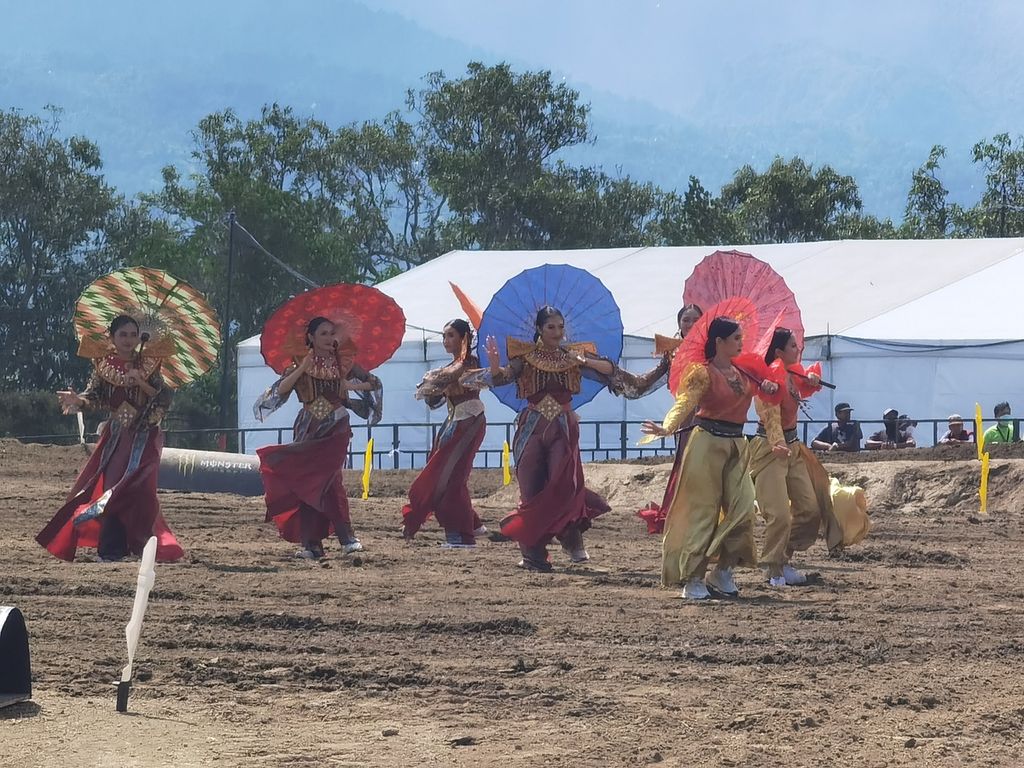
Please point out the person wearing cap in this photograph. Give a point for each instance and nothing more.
(956, 432)
(891, 436)
(1002, 432)
(843, 434)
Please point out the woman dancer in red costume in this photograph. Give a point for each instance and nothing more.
(554, 501)
(442, 488)
(305, 492)
(113, 505)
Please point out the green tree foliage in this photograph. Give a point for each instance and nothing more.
(929, 214)
(1000, 212)
(791, 202)
(54, 210)
(490, 138)
(350, 204)
(697, 218)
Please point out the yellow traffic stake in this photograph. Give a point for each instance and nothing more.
(506, 470)
(367, 468)
(983, 491)
(979, 430)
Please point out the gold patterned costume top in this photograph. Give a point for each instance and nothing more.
(535, 368)
(325, 397)
(108, 388)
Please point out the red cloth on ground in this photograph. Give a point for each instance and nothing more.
(448, 498)
(133, 500)
(551, 486)
(304, 480)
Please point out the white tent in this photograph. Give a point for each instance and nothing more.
(926, 326)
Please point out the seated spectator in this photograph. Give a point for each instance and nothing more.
(956, 432)
(891, 436)
(843, 434)
(1003, 431)
(907, 425)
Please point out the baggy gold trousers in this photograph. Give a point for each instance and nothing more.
(712, 511)
(787, 500)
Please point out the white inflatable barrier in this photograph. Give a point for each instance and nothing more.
(182, 469)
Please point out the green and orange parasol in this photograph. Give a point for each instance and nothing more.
(182, 327)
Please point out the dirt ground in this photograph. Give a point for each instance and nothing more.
(906, 651)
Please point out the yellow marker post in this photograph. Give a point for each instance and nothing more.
(367, 468)
(979, 430)
(506, 469)
(983, 491)
(979, 438)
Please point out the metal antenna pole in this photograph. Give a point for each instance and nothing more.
(225, 350)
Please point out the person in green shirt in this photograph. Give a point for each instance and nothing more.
(1003, 431)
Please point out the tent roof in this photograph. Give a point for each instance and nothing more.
(883, 289)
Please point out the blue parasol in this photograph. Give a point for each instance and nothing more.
(589, 308)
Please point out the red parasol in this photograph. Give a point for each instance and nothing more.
(691, 349)
(733, 273)
(371, 320)
(751, 364)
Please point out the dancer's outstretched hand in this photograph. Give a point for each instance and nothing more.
(653, 428)
(70, 401)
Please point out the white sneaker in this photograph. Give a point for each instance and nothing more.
(720, 580)
(777, 581)
(352, 546)
(577, 556)
(481, 531)
(793, 577)
(695, 589)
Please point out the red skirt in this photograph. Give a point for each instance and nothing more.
(304, 479)
(442, 488)
(552, 493)
(132, 502)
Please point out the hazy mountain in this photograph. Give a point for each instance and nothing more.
(674, 92)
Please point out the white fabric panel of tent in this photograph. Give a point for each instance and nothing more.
(858, 299)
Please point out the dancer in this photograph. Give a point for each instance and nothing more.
(712, 508)
(654, 514)
(442, 488)
(305, 491)
(785, 495)
(113, 505)
(687, 317)
(554, 502)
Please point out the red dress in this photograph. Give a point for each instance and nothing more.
(553, 496)
(304, 488)
(554, 500)
(113, 505)
(442, 488)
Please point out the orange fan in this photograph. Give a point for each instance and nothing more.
(473, 312)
